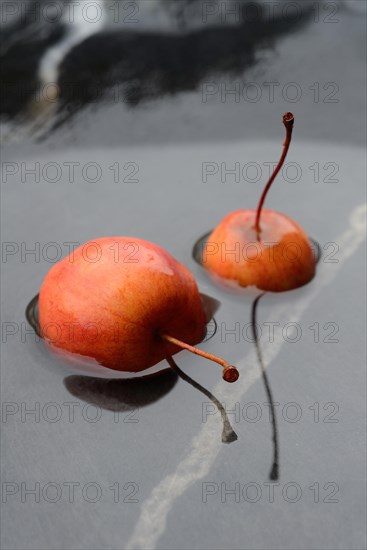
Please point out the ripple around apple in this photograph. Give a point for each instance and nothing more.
(232, 285)
(90, 366)
(129, 394)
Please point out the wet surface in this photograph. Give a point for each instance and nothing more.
(129, 394)
(210, 306)
(274, 472)
(139, 65)
(147, 70)
(306, 372)
(121, 395)
(228, 433)
(199, 247)
(163, 81)
(161, 439)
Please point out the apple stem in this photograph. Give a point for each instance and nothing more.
(230, 373)
(288, 121)
(228, 433)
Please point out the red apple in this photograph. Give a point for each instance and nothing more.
(124, 302)
(275, 255)
(234, 252)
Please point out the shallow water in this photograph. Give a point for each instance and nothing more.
(170, 445)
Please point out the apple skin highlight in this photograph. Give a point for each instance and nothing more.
(281, 259)
(262, 248)
(115, 308)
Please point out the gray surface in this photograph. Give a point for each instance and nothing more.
(147, 451)
(325, 53)
(172, 206)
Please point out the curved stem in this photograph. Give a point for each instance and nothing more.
(228, 433)
(230, 373)
(288, 121)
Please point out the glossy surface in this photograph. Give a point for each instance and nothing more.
(281, 260)
(172, 447)
(113, 298)
(176, 439)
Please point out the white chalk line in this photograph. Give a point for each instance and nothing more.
(206, 445)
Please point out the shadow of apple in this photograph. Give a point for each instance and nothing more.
(121, 395)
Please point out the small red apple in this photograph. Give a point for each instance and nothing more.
(124, 302)
(275, 255)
